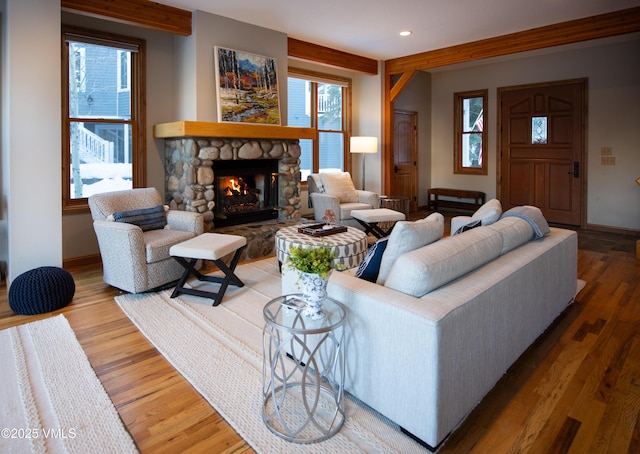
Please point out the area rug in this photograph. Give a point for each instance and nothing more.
(51, 399)
(219, 351)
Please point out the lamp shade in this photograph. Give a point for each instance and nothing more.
(364, 144)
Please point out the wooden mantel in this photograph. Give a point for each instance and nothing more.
(230, 130)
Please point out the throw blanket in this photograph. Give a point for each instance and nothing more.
(533, 216)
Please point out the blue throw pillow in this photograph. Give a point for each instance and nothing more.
(468, 226)
(370, 266)
(145, 218)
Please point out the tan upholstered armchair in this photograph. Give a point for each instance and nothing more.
(134, 245)
(335, 192)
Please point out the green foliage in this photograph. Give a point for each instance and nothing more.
(316, 259)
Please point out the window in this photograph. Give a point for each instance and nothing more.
(124, 70)
(320, 101)
(103, 115)
(470, 141)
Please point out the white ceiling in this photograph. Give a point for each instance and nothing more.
(371, 27)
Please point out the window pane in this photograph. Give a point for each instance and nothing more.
(472, 115)
(299, 102)
(100, 158)
(472, 150)
(539, 130)
(96, 79)
(331, 151)
(306, 163)
(329, 107)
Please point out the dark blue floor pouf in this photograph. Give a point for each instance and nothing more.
(41, 290)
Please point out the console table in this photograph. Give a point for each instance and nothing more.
(435, 202)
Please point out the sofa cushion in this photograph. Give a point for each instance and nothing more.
(152, 218)
(533, 215)
(489, 212)
(340, 185)
(420, 271)
(514, 231)
(407, 236)
(370, 266)
(158, 242)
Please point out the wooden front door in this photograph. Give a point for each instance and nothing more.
(542, 140)
(404, 179)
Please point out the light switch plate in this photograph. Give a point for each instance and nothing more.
(608, 160)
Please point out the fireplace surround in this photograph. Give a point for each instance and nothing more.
(245, 191)
(192, 164)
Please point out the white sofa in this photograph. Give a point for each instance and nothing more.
(432, 338)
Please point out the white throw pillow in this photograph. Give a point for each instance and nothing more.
(436, 217)
(340, 185)
(489, 212)
(407, 236)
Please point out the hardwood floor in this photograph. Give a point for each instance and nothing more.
(575, 390)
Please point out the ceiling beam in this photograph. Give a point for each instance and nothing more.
(143, 13)
(400, 84)
(324, 55)
(602, 26)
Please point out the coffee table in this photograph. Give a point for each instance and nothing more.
(350, 247)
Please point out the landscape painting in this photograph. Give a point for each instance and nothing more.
(247, 86)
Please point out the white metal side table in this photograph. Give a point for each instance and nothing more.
(303, 370)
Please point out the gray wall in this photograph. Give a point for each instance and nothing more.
(78, 238)
(613, 71)
(416, 97)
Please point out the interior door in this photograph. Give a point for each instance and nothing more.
(542, 148)
(404, 180)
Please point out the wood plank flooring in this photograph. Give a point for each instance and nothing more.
(575, 390)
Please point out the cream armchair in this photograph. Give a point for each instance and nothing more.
(334, 192)
(133, 259)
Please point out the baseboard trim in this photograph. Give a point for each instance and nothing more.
(78, 262)
(617, 230)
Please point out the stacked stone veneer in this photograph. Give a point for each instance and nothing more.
(189, 167)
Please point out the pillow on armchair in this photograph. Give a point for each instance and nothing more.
(340, 185)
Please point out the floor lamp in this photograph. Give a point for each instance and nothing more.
(363, 145)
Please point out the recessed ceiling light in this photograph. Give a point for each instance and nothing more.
(405, 33)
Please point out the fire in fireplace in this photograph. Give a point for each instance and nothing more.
(246, 191)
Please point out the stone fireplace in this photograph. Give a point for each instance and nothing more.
(266, 174)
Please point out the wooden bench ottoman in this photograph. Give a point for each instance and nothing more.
(370, 219)
(208, 246)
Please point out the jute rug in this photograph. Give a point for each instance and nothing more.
(219, 351)
(50, 398)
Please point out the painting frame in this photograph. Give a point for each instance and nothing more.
(246, 87)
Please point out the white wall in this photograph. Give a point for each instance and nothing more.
(613, 71)
(31, 134)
